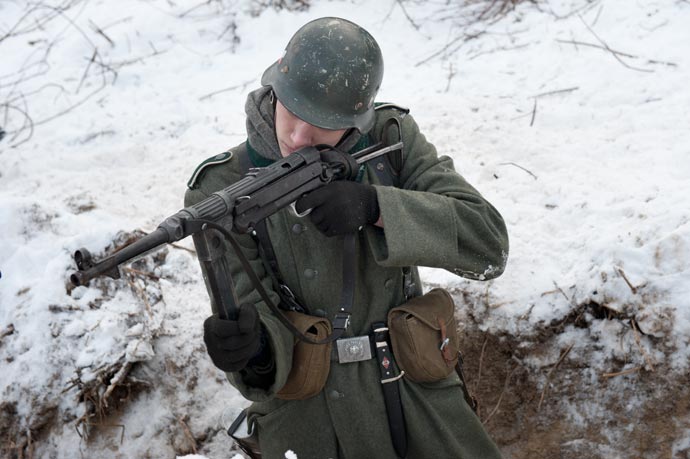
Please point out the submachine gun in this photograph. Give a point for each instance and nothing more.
(258, 194)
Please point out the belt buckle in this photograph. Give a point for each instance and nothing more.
(355, 349)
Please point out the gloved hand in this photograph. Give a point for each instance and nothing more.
(231, 343)
(341, 207)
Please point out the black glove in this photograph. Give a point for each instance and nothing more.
(341, 207)
(232, 343)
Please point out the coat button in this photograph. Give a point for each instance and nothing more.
(310, 273)
(319, 313)
(388, 284)
(335, 395)
(298, 228)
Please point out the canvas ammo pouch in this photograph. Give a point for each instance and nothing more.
(310, 362)
(424, 336)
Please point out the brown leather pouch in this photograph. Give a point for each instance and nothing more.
(424, 336)
(310, 362)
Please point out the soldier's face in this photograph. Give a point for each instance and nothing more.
(294, 134)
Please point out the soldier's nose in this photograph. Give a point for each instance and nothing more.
(302, 134)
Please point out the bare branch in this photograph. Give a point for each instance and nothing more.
(506, 384)
(416, 27)
(451, 74)
(231, 88)
(27, 124)
(100, 32)
(501, 48)
(464, 38)
(519, 166)
(194, 8)
(621, 373)
(611, 51)
(534, 113)
(557, 91)
(86, 71)
(594, 45)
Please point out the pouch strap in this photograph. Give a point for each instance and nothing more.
(268, 257)
(250, 444)
(390, 378)
(337, 333)
(469, 398)
(445, 341)
(408, 283)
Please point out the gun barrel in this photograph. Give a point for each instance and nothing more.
(108, 265)
(367, 155)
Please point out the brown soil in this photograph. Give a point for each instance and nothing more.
(637, 415)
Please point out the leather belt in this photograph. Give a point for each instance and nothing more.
(361, 348)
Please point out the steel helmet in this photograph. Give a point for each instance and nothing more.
(329, 75)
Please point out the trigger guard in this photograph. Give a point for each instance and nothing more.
(297, 214)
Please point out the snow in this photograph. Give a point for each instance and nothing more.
(585, 156)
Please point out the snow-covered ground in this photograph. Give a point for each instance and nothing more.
(570, 116)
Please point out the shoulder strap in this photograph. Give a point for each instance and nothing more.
(213, 160)
(388, 168)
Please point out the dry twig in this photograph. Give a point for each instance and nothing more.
(464, 38)
(519, 166)
(636, 333)
(100, 32)
(548, 376)
(28, 123)
(402, 7)
(607, 48)
(141, 293)
(534, 113)
(583, 9)
(500, 398)
(557, 91)
(141, 273)
(621, 373)
(187, 432)
(481, 363)
(594, 45)
(7, 331)
(116, 380)
(563, 293)
(178, 246)
(242, 86)
(620, 271)
(86, 71)
(549, 93)
(451, 74)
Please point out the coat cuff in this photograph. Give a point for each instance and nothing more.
(406, 239)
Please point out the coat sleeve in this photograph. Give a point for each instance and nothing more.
(436, 218)
(279, 338)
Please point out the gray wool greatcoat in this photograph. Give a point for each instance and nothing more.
(435, 218)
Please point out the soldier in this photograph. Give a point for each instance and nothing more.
(348, 399)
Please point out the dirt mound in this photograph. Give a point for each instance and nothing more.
(570, 408)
